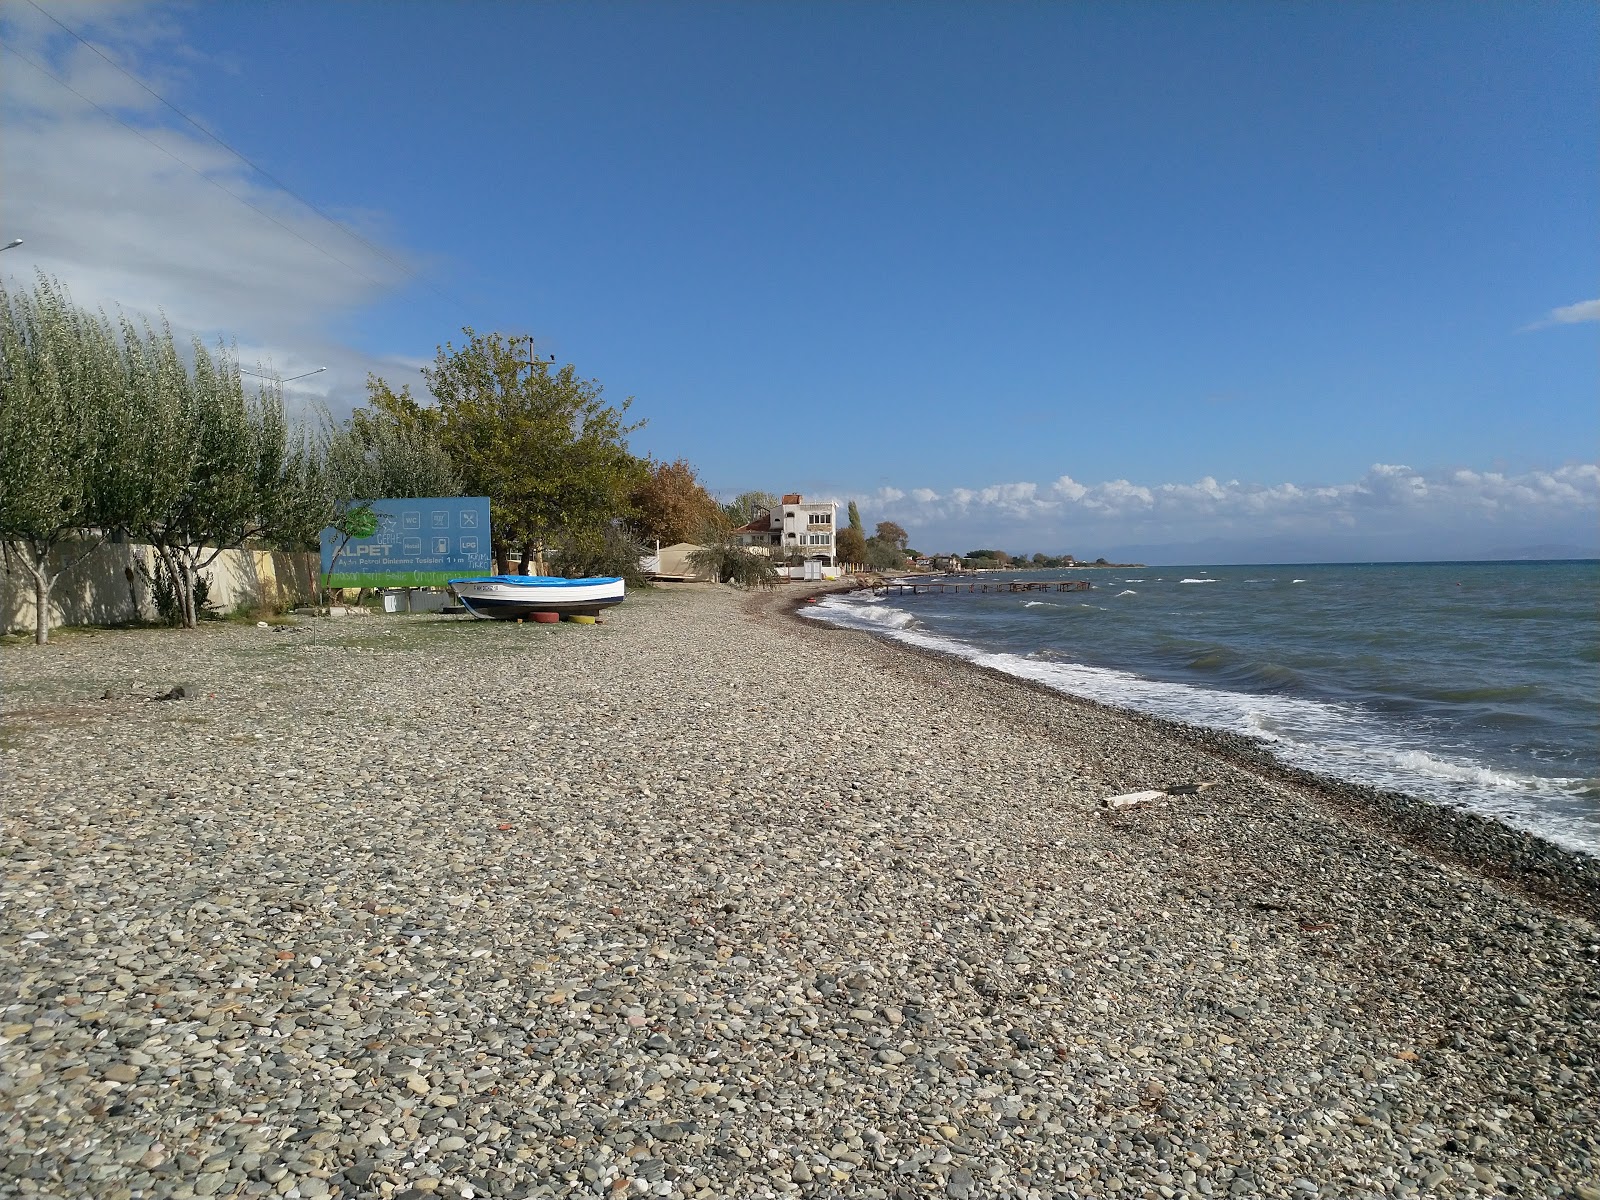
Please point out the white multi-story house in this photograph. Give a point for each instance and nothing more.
(795, 527)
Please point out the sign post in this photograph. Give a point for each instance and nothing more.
(417, 543)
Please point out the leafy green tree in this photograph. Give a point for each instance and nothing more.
(60, 386)
(392, 448)
(605, 551)
(742, 509)
(228, 452)
(388, 450)
(883, 555)
(854, 514)
(673, 507)
(850, 546)
(728, 562)
(542, 444)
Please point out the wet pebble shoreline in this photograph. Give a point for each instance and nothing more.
(708, 902)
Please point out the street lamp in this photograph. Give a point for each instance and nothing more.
(12, 244)
(278, 379)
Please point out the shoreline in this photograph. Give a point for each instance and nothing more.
(1517, 860)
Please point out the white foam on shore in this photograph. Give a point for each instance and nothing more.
(1324, 737)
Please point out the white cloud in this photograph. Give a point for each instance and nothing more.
(1387, 500)
(1584, 310)
(1571, 314)
(122, 221)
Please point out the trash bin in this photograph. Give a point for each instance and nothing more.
(391, 602)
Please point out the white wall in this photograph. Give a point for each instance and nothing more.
(100, 592)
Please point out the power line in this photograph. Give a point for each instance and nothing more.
(139, 133)
(256, 167)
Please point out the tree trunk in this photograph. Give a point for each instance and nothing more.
(191, 618)
(41, 609)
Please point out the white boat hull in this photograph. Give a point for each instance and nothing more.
(513, 597)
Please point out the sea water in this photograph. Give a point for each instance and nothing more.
(1467, 684)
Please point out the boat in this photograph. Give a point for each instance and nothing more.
(517, 597)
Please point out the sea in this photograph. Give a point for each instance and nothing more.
(1469, 684)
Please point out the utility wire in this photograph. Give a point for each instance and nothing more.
(301, 237)
(256, 167)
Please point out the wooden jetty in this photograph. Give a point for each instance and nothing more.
(1013, 585)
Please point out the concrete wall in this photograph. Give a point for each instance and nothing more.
(99, 591)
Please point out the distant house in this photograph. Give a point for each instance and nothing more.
(796, 529)
(761, 535)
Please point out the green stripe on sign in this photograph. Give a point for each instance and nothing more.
(346, 579)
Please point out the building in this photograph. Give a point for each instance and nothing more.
(795, 530)
(761, 535)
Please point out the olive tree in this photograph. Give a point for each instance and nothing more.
(59, 391)
(225, 468)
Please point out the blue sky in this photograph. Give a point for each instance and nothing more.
(1257, 279)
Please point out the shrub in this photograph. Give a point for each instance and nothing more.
(727, 562)
(606, 551)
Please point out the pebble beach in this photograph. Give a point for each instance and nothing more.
(710, 900)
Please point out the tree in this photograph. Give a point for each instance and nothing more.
(888, 531)
(392, 449)
(850, 546)
(61, 377)
(603, 551)
(542, 444)
(728, 562)
(673, 507)
(232, 472)
(854, 515)
(884, 555)
(742, 509)
(388, 450)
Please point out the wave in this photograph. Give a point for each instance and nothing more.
(868, 613)
(1127, 592)
(1335, 738)
(1199, 581)
(1297, 581)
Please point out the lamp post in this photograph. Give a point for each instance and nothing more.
(279, 378)
(12, 244)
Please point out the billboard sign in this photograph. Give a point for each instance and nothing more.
(417, 543)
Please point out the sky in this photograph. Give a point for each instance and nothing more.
(1177, 282)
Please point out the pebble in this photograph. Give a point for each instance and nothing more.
(579, 923)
